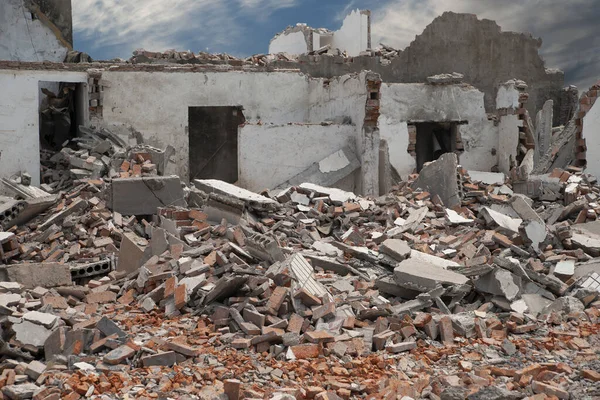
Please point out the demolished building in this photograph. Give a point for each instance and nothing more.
(204, 226)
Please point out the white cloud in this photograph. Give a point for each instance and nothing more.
(569, 33)
(125, 25)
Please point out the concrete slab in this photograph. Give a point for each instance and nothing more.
(424, 276)
(395, 248)
(43, 274)
(428, 258)
(488, 178)
(503, 221)
(328, 171)
(439, 178)
(143, 195)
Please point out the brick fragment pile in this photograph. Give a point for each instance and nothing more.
(310, 292)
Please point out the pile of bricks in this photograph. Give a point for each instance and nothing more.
(309, 292)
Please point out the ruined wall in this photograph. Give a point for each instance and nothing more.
(272, 154)
(27, 34)
(355, 34)
(479, 49)
(588, 132)
(19, 118)
(58, 12)
(156, 104)
(403, 103)
(291, 42)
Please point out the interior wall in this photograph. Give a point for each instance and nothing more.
(19, 118)
(23, 38)
(591, 134)
(272, 154)
(292, 43)
(416, 102)
(155, 104)
(353, 36)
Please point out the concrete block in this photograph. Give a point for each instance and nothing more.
(143, 195)
(167, 359)
(46, 275)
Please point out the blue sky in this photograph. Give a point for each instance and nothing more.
(114, 28)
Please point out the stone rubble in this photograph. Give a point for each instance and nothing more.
(308, 292)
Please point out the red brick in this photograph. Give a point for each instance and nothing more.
(170, 286)
(446, 331)
(101, 297)
(181, 297)
(232, 388)
(304, 351)
(295, 324)
(276, 300)
(539, 387)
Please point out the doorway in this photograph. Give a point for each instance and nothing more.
(434, 139)
(213, 142)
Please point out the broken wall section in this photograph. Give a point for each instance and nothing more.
(19, 118)
(478, 49)
(587, 135)
(403, 104)
(353, 38)
(28, 34)
(270, 155)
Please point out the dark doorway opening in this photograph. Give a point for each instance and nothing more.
(435, 139)
(60, 113)
(213, 142)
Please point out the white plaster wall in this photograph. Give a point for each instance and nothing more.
(156, 103)
(271, 154)
(353, 36)
(591, 134)
(24, 39)
(508, 141)
(507, 97)
(343, 96)
(292, 43)
(19, 118)
(415, 102)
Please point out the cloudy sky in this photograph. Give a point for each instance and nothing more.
(114, 28)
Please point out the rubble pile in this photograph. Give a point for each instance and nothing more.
(452, 286)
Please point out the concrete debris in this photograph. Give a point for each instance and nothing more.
(257, 295)
(441, 178)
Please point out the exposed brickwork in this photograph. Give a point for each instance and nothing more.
(586, 101)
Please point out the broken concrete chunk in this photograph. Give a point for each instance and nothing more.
(143, 195)
(440, 178)
(395, 248)
(424, 276)
(46, 275)
(500, 282)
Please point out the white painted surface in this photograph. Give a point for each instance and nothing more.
(19, 119)
(488, 178)
(507, 97)
(591, 134)
(415, 102)
(25, 39)
(353, 36)
(334, 162)
(508, 140)
(156, 105)
(292, 43)
(271, 154)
